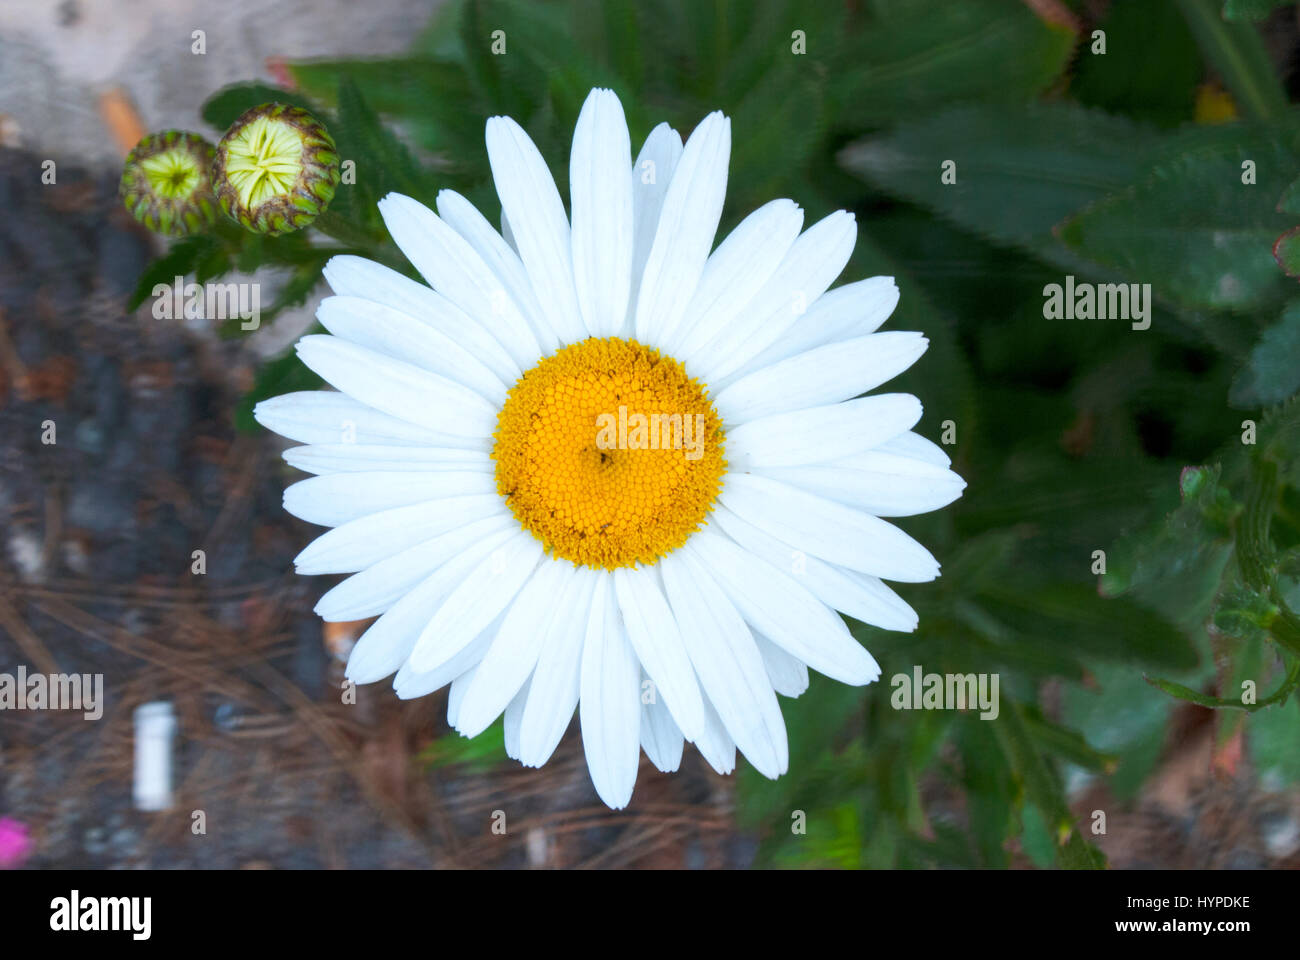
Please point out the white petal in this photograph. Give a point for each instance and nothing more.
(483, 593)
(861, 596)
(715, 743)
(513, 722)
(390, 639)
(789, 674)
(829, 374)
(821, 434)
(808, 270)
(397, 388)
(456, 693)
(541, 230)
(357, 277)
(367, 540)
(338, 498)
(508, 236)
(321, 458)
(651, 174)
(514, 651)
(883, 484)
(324, 416)
(736, 272)
(852, 310)
(410, 684)
(553, 693)
(455, 270)
(684, 235)
(610, 713)
(600, 188)
(378, 587)
(916, 447)
(784, 611)
(394, 334)
(727, 662)
(829, 530)
(660, 738)
(500, 255)
(657, 640)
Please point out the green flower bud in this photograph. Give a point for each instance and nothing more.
(276, 169)
(165, 183)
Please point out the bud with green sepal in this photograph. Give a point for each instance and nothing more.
(275, 169)
(166, 183)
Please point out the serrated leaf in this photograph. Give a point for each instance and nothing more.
(1286, 251)
(1290, 202)
(1272, 372)
(1211, 252)
(1020, 170)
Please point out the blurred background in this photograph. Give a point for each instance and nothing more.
(1126, 556)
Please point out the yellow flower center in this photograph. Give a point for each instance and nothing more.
(172, 173)
(609, 453)
(263, 160)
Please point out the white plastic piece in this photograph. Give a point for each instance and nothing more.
(155, 731)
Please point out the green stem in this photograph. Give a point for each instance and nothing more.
(1237, 52)
(1187, 693)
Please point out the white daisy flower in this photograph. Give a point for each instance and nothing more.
(594, 466)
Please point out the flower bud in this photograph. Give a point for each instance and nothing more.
(275, 169)
(165, 183)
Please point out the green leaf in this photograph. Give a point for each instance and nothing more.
(1035, 838)
(1067, 744)
(1251, 9)
(1150, 68)
(915, 56)
(433, 98)
(1290, 202)
(1210, 253)
(1272, 735)
(1075, 617)
(1020, 170)
(765, 155)
(480, 753)
(1272, 372)
(1286, 251)
(382, 164)
(184, 258)
(1041, 786)
(1122, 716)
(224, 107)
